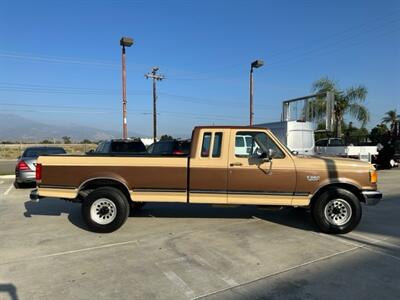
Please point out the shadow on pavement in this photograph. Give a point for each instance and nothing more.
(9, 289)
(297, 218)
(55, 207)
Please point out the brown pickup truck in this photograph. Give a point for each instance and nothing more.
(226, 165)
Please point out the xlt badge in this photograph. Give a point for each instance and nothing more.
(313, 178)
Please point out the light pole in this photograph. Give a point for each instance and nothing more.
(255, 64)
(153, 75)
(124, 42)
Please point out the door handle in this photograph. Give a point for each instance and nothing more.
(236, 164)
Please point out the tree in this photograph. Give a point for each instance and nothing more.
(166, 137)
(391, 117)
(66, 139)
(379, 134)
(86, 141)
(349, 101)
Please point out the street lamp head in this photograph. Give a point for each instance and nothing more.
(257, 63)
(126, 41)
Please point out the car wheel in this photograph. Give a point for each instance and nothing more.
(337, 211)
(105, 209)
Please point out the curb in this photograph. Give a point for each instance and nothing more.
(7, 176)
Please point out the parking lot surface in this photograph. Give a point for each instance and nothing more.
(7, 166)
(171, 251)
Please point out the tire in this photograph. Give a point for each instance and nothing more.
(105, 209)
(336, 211)
(17, 185)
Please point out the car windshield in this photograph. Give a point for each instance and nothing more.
(35, 152)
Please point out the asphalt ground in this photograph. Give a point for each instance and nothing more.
(7, 166)
(181, 251)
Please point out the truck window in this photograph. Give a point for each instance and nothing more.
(336, 142)
(205, 146)
(255, 142)
(321, 143)
(217, 144)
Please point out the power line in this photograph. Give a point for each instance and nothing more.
(34, 108)
(58, 60)
(68, 90)
(332, 45)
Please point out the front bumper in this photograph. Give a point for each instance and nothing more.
(372, 197)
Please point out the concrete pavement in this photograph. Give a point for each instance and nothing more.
(171, 251)
(7, 166)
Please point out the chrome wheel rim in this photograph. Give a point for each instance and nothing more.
(103, 211)
(338, 212)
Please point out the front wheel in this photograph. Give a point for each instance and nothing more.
(337, 211)
(105, 209)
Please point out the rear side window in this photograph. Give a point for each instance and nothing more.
(217, 144)
(205, 146)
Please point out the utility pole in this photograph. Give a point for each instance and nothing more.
(153, 75)
(124, 42)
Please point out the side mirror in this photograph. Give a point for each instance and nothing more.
(294, 152)
(266, 156)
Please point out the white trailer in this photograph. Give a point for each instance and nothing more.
(337, 147)
(298, 136)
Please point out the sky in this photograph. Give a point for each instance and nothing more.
(60, 61)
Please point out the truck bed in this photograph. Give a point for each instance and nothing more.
(137, 173)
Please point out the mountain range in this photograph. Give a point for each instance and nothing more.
(17, 128)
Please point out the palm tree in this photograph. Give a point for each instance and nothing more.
(391, 117)
(348, 101)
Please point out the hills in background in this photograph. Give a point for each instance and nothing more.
(16, 128)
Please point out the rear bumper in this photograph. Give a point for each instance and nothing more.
(34, 195)
(372, 197)
(25, 177)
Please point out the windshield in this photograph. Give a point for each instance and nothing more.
(128, 147)
(35, 152)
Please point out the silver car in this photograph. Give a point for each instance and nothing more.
(26, 165)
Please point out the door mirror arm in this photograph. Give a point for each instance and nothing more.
(267, 156)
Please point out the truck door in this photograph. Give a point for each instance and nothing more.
(208, 179)
(252, 179)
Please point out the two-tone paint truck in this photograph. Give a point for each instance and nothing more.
(216, 171)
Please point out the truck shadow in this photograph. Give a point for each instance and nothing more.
(55, 207)
(9, 289)
(297, 218)
(291, 217)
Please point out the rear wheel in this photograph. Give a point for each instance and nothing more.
(337, 211)
(105, 209)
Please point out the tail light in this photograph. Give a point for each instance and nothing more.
(177, 152)
(38, 172)
(22, 166)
